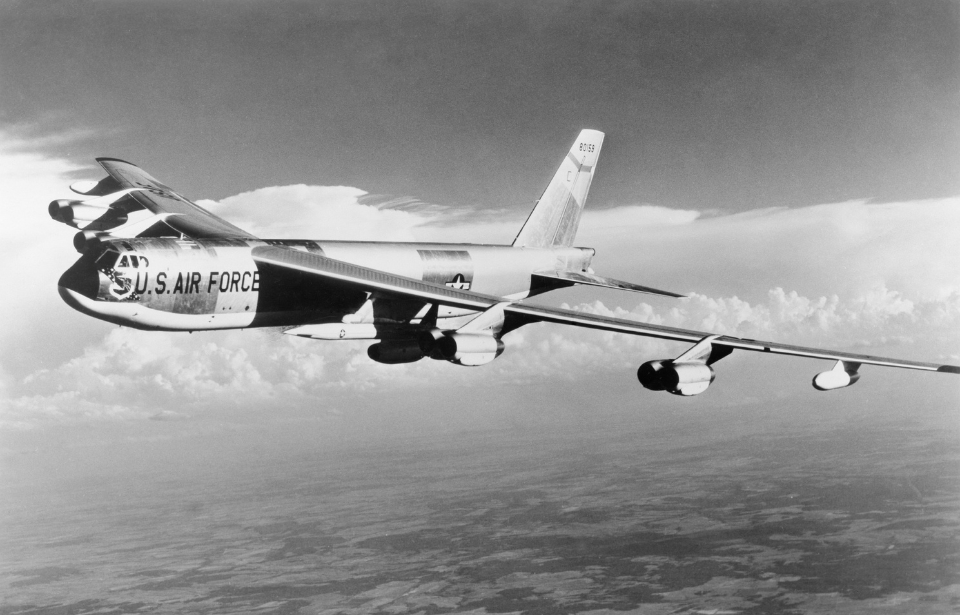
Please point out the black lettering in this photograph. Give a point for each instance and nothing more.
(178, 287)
(234, 281)
(244, 284)
(256, 281)
(136, 286)
(213, 280)
(195, 282)
(161, 282)
(224, 281)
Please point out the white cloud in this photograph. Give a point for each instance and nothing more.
(139, 374)
(308, 212)
(634, 217)
(845, 249)
(350, 214)
(35, 251)
(845, 275)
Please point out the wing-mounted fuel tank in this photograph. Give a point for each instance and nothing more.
(689, 374)
(843, 374)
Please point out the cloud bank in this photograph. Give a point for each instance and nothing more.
(136, 374)
(871, 277)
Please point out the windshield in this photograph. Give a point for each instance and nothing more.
(108, 259)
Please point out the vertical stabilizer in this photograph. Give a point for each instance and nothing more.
(554, 221)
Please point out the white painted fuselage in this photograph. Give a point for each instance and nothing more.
(191, 285)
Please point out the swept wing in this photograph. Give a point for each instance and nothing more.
(375, 280)
(178, 212)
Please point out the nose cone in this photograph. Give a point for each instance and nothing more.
(81, 279)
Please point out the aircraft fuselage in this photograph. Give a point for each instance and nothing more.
(191, 285)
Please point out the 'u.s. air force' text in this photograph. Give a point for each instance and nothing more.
(195, 282)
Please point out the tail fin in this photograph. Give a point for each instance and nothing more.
(554, 221)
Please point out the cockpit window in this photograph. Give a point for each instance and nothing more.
(107, 260)
(111, 259)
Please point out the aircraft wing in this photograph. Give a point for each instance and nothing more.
(179, 213)
(375, 280)
(592, 321)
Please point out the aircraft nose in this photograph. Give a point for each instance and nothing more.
(81, 278)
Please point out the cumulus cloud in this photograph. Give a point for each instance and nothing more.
(845, 249)
(849, 275)
(351, 214)
(137, 374)
(307, 212)
(36, 325)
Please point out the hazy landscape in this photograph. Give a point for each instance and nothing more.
(658, 514)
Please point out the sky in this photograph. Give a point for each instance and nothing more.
(792, 166)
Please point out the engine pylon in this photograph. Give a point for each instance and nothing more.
(687, 375)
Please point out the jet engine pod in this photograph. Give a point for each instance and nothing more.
(84, 241)
(391, 353)
(58, 208)
(650, 375)
(469, 349)
(86, 213)
(74, 213)
(684, 379)
(428, 341)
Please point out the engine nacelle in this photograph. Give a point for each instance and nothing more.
(75, 212)
(428, 343)
(394, 352)
(58, 208)
(84, 241)
(834, 379)
(469, 349)
(684, 379)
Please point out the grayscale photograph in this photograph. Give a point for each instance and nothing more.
(468, 306)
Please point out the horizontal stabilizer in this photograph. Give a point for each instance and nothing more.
(569, 278)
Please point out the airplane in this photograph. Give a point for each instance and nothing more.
(154, 260)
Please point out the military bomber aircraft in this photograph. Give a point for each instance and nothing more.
(153, 260)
